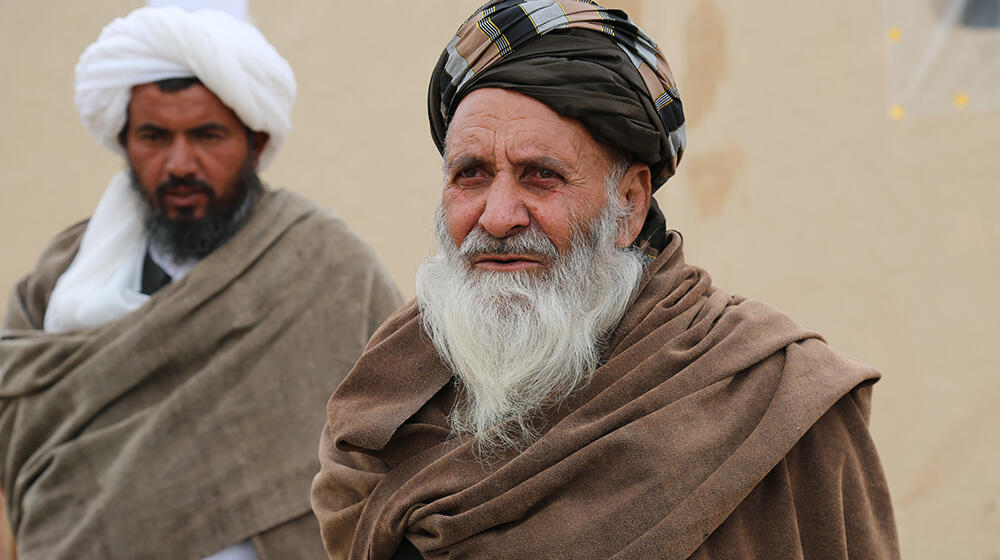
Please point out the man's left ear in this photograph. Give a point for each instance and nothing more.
(634, 193)
(257, 145)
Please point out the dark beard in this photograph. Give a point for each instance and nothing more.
(186, 239)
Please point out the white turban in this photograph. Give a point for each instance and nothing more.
(230, 57)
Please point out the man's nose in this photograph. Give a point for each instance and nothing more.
(504, 212)
(181, 159)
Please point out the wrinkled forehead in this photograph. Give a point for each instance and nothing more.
(495, 118)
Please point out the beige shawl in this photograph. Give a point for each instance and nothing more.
(191, 423)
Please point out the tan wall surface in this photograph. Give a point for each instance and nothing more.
(797, 189)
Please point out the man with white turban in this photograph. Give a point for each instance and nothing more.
(163, 369)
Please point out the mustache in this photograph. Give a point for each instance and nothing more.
(530, 241)
(190, 182)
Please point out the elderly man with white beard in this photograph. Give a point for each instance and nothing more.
(564, 385)
(519, 310)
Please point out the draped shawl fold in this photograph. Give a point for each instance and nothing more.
(103, 282)
(230, 57)
(191, 423)
(581, 60)
(717, 427)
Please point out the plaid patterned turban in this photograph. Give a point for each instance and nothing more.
(581, 60)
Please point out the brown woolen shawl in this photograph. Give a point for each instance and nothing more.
(191, 423)
(665, 454)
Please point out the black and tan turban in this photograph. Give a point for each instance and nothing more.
(578, 58)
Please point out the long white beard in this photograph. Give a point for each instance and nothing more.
(520, 342)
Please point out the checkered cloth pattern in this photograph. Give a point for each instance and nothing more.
(500, 27)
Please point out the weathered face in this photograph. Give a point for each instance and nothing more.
(187, 149)
(510, 162)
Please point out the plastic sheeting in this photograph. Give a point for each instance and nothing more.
(943, 56)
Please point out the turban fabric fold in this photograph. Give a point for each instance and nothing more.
(581, 60)
(230, 57)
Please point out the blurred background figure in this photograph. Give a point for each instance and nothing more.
(165, 364)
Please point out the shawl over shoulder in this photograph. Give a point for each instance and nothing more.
(716, 428)
(189, 424)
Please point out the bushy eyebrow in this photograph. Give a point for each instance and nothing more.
(210, 127)
(463, 161)
(466, 161)
(207, 127)
(146, 127)
(546, 162)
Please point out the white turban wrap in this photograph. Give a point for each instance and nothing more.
(233, 60)
(230, 57)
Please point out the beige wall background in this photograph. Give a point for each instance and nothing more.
(797, 189)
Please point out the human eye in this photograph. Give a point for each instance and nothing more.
(152, 135)
(543, 178)
(469, 177)
(209, 135)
